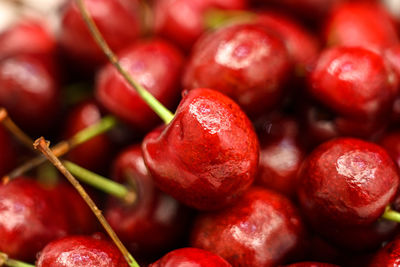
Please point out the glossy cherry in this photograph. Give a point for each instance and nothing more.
(361, 24)
(119, 21)
(190, 257)
(183, 21)
(388, 256)
(207, 156)
(346, 182)
(30, 217)
(155, 221)
(156, 65)
(94, 153)
(81, 251)
(263, 228)
(246, 62)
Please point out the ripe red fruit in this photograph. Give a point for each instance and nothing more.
(119, 21)
(155, 221)
(156, 65)
(388, 256)
(190, 257)
(361, 24)
(346, 182)
(263, 228)
(30, 217)
(81, 251)
(207, 155)
(183, 21)
(246, 62)
(391, 143)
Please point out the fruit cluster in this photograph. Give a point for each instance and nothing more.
(283, 148)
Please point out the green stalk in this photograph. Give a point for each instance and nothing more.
(391, 215)
(5, 261)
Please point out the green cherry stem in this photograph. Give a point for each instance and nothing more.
(154, 104)
(391, 215)
(42, 145)
(6, 261)
(60, 149)
(104, 184)
(216, 18)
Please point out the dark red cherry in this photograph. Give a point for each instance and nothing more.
(119, 21)
(94, 153)
(183, 21)
(207, 155)
(80, 251)
(360, 24)
(156, 65)
(8, 157)
(27, 36)
(388, 256)
(245, 62)
(281, 155)
(346, 182)
(30, 217)
(391, 142)
(311, 264)
(393, 57)
(190, 257)
(29, 90)
(156, 220)
(262, 228)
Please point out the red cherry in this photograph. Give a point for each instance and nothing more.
(263, 228)
(119, 21)
(388, 256)
(207, 155)
(81, 251)
(29, 90)
(361, 24)
(391, 142)
(190, 257)
(183, 21)
(93, 154)
(346, 182)
(245, 62)
(156, 220)
(156, 65)
(30, 217)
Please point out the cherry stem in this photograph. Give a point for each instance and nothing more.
(60, 149)
(6, 261)
(153, 103)
(104, 184)
(43, 145)
(13, 128)
(391, 215)
(216, 18)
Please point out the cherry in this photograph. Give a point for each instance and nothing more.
(361, 24)
(207, 155)
(118, 20)
(80, 251)
(155, 221)
(182, 21)
(245, 62)
(156, 65)
(388, 256)
(190, 257)
(30, 217)
(29, 90)
(93, 154)
(391, 142)
(346, 182)
(281, 155)
(263, 228)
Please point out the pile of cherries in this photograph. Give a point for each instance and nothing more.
(282, 147)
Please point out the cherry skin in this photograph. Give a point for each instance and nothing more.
(183, 21)
(391, 142)
(361, 24)
(346, 182)
(119, 21)
(81, 251)
(245, 62)
(155, 221)
(29, 90)
(207, 155)
(156, 65)
(30, 217)
(393, 57)
(190, 257)
(262, 228)
(388, 256)
(93, 154)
